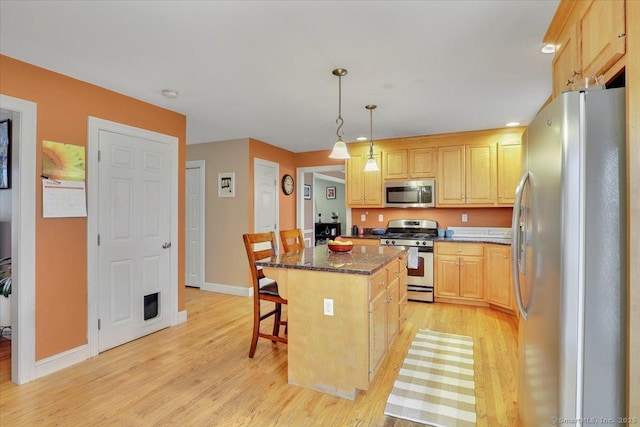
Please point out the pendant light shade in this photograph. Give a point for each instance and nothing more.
(339, 148)
(371, 165)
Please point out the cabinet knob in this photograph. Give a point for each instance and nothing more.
(569, 82)
(459, 250)
(500, 196)
(575, 73)
(620, 36)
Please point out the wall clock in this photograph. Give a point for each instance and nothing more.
(287, 184)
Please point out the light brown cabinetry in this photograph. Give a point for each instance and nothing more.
(404, 297)
(384, 311)
(364, 189)
(497, 281)
(414, 163)
(459, 271)
(467, 175)
(602, 31)
(590, 37)
(509, 169)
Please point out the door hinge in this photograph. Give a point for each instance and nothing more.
(98, 324)
(98, 239)
(99, 155)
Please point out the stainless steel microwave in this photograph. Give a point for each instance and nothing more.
(410, 194)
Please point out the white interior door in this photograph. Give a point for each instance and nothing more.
(134, 228)
(265, 189)
(195, 215)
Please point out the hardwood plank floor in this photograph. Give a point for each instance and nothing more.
(198, 374)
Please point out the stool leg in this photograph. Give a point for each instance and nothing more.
(276, 320)
(256, 329)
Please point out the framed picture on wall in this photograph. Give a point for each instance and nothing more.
(307, 192)
(331, 192)
(5, 153)
(227, 184)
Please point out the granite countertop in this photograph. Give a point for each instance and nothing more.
(364, 236)
(363, 259)
(464, 239)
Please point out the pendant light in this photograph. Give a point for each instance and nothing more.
(372, 165)
(339, 148)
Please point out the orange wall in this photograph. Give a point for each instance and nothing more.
(286, 159)
(446, 217)
(63, 107)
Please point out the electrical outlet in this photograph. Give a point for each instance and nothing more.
(328, 307)
(380, 218)
(363, 217)
(464, 218)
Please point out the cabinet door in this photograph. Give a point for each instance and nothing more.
(354, 181)
(509, 170)
(602, 30)
(395, 164)
(480, 173)
(422, 163)
(447, 276)
(377, 331)
(471, 277)
(566, 65)
(372, 187)
(393, 312)
(498, 274)
(450, 180)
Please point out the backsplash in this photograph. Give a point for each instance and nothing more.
(446, 217)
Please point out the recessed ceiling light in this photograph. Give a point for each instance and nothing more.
(361, 138)
(170, 93)
(548, 48)
(512, 124)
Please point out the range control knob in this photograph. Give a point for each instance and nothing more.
(424, 243)
(387, 242)
(418, 243)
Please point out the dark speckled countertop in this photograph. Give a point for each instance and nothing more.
(363, 259)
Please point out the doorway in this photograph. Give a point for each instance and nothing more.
(195, 223)
(23, 189)
(306, 211)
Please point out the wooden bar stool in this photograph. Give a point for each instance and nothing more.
(264, 289)
(292, 240)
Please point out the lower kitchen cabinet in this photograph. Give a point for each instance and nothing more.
(388, 293)
(498, 275)
(471, 273)
(459, 271)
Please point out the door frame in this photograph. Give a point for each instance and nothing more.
(200, 164)
(23, 242)
(262, 162)
(300, 189)
(96, 125)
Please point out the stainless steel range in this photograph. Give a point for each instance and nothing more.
(417, 235)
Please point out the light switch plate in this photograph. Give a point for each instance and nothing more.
(464, 218)
(363, 217)
(380, 218)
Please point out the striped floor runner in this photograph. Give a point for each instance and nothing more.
(435, 384)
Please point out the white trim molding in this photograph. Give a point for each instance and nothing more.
(242, 291)
(23, 244)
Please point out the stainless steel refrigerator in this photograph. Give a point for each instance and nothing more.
(569, 262)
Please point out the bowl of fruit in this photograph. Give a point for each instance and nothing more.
(340, 245)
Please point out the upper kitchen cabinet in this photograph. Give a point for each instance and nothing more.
(509, 170)
(412, 163)
(467, 175)
(566, 68)
(590, 39)
(602, 30)
(364, 189)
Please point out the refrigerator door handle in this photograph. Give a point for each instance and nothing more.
(518, 243)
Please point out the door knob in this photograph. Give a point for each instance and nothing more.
(166, 245)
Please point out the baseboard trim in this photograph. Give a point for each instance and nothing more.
(182, 317)
(61, 360)
(227, 289)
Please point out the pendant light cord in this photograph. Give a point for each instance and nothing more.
(339, 120)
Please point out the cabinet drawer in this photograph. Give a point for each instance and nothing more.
(377, 284)
(467, 249)
(393, 271)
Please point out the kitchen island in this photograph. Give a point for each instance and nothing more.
(344, 311)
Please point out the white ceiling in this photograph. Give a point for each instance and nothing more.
(262, 69)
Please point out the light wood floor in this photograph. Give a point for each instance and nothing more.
(198, 374)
